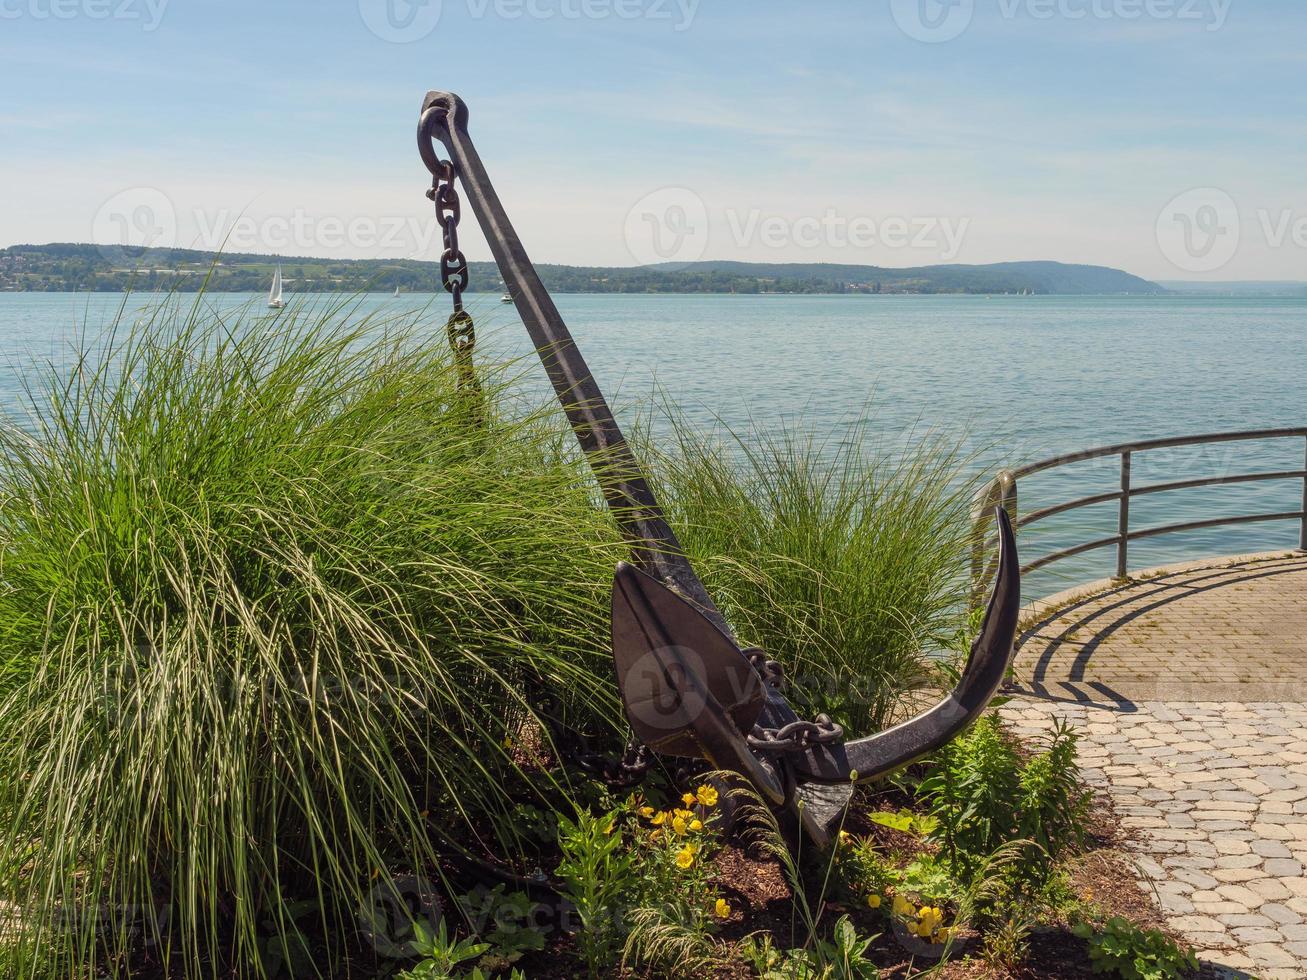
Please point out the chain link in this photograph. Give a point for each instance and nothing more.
(454, 276)
(797, 736)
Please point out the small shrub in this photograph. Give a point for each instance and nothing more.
(985, 797)
(841, 957)
(640, 882)
(1126, 950)
(440, 953)
(596, 872)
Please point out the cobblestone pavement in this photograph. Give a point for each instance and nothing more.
(1236, 630)
(1188, 689)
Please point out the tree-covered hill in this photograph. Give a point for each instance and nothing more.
(63, 267)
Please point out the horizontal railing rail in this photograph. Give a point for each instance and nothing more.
(1002, 492)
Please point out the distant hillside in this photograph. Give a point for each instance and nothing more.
(64, 267)
(1051, 278)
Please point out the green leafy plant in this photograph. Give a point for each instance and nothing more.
(841, 957)
(906, 821)
(930, 878)
(984, 796)
(596, 873)
(441, 954)
(1129, 951)
(503, 920)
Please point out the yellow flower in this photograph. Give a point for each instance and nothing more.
(508, 741)
(696, 824)
(679, 825)
(657, 834)
(707, 795)
(647, 812)
(924, 929)
(845, 838)
(722, 908)
(688, 799)
(873, 901)
(659, 818)
(902, 906)
(683, 814)
(685, 857)
(943, 936)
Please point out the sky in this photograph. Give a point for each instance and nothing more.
(1164, 137)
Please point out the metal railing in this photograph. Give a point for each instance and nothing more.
(1002, 491)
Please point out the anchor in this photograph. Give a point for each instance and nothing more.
(690, 690)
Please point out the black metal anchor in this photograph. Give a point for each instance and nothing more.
(689, 688)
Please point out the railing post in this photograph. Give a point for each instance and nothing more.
(1123, 520)
(999, 492)
(980, 520)
(1007, 486)
(1302, 527)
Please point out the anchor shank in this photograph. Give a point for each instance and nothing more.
(654, 543)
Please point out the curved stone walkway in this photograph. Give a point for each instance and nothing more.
(1189, 687)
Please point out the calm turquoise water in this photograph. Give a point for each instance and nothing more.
(1014, 378)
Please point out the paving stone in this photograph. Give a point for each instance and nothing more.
(1257, 934)
(1271, 849)
(1237, 919)
(1282, 916)
(1271, 889)
(1197, 923)
(1236, 875)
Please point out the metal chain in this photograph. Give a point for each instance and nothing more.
(454, 275)
(797, 736)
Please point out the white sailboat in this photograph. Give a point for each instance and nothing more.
(396, 292)
(275, 301)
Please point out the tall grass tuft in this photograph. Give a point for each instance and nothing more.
(846, 565)
(269, 610)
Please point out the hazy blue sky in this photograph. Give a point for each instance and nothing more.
(1166, 137)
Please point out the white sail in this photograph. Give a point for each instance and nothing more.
(274, 294)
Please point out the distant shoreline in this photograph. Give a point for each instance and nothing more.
(92, 268)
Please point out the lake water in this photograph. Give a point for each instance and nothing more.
(1012, 378)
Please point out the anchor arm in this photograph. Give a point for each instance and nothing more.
(881, 754)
